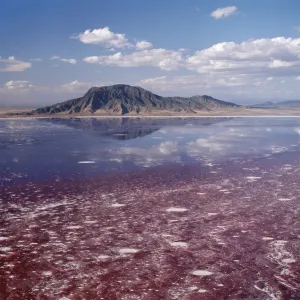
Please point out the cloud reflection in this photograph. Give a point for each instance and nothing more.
(234, 139)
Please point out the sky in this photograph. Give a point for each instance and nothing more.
(235, 50)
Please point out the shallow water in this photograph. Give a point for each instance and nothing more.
(63, 148)
(150, 209)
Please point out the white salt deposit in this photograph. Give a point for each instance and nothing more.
(267, 238)
(119, 160)
(179, 244)
(288, 260)
(47, 273)
(284, 199)
(202, 273)
(202, 291)
(103, 257)
(128, 251)
(253, 178)
(117, 205)
(5, 249)
(176, 209)
(3, 238)
(74, 227)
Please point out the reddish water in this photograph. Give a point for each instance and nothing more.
(230, 231)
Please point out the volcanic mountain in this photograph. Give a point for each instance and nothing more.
(130, 100)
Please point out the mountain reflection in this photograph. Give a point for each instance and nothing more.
(127, 128)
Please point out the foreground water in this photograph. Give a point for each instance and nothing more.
(150, 208)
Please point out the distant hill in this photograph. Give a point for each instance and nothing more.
(282, 104)
(125, 100)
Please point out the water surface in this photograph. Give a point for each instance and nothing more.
(39, 149)
(150, 209)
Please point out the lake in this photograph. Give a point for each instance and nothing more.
(150, 208)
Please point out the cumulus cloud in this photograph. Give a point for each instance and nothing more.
(105, 37)
(142, 45)
(224, 12)
(264, 57)
(18, 85)
(13, 65)
(282, 64)
(167, 60)
(253, 56)
(72, 61)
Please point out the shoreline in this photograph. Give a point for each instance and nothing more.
(149, 116)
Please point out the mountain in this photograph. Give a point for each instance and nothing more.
(282, 104)
(125, 99)
(290, 103)
(267, 104)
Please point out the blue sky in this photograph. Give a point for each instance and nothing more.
(238, 50)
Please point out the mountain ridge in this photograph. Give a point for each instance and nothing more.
(124, 99)
(281, 104)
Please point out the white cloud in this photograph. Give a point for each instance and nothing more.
(249, 57)
(197, 82)
(282, 64)
(270, 78)
(13, 65)
(297, 78)
(77, 86)
(224, 12)
(142, 45)
(18, 85)
(265, 57)
(167, 60)
(173, 83)
(72, 61)
(105, 37)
